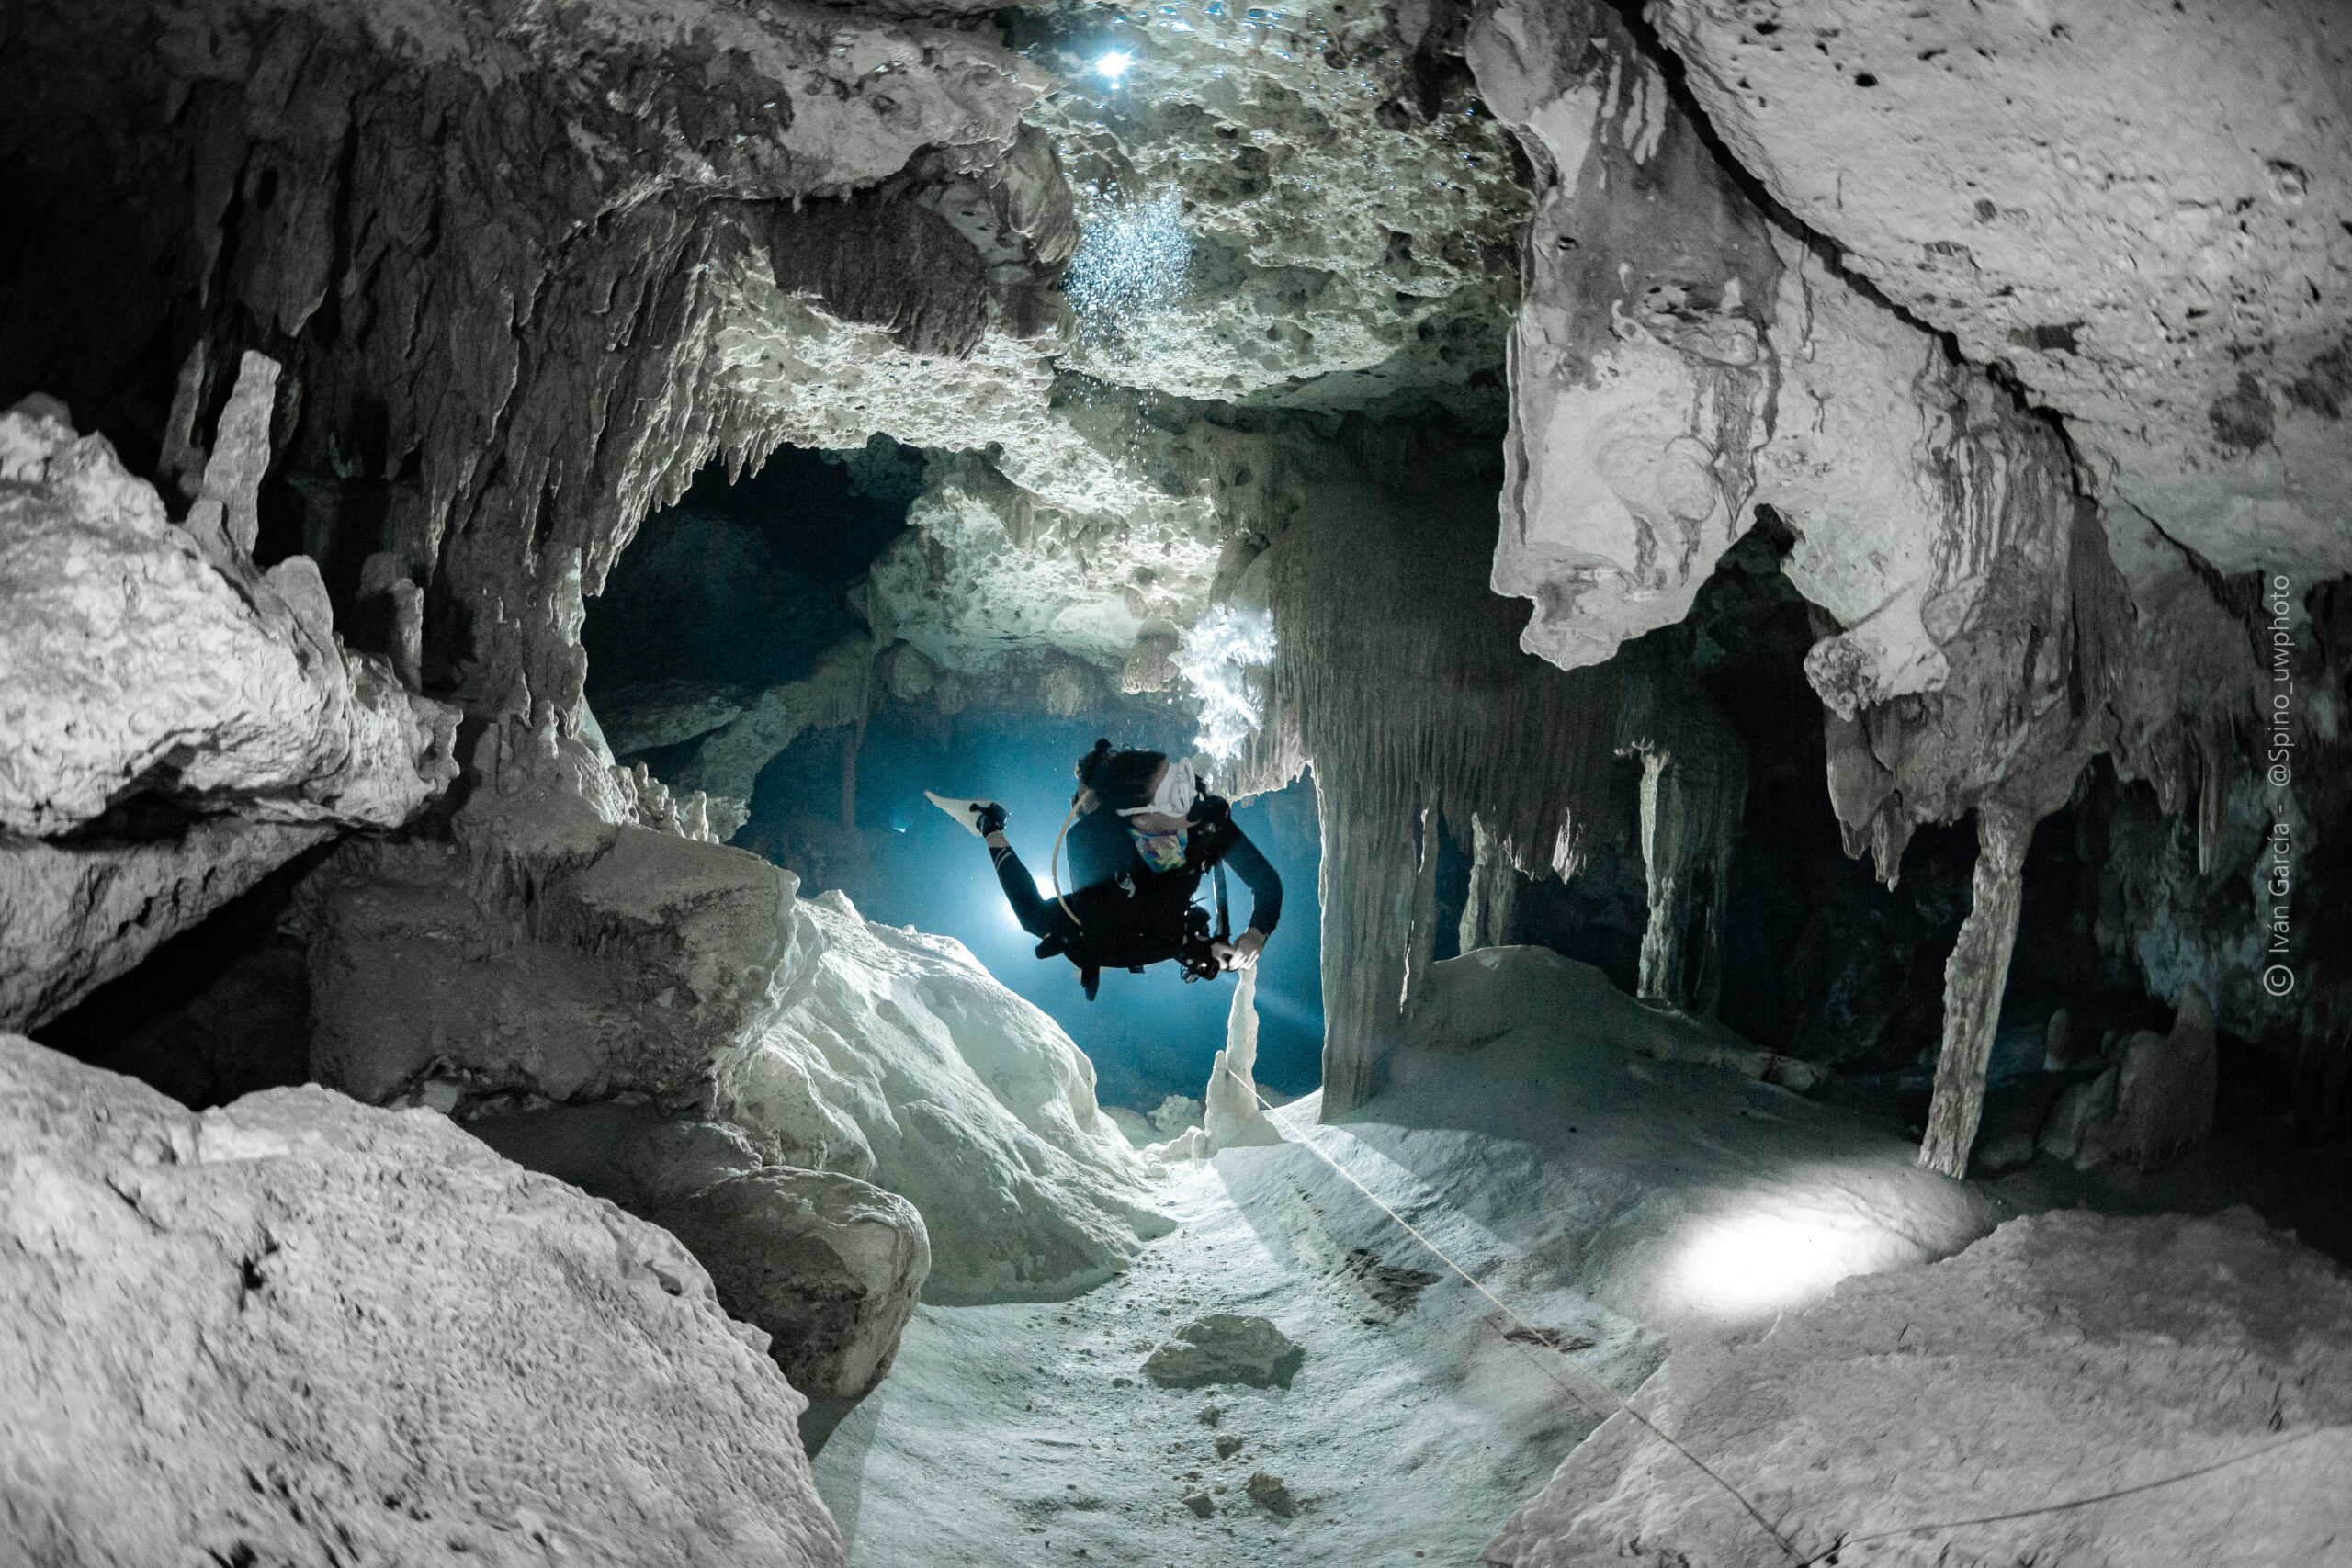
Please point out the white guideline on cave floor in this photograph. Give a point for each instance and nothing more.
(1616, 1200)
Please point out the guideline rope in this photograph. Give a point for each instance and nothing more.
(1842, 1542)
(1534, 1334)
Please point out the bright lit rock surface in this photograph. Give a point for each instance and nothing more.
(899, 1060)
(1681, 359)
(2068, 1355)
(974, 579)
(300, 1330)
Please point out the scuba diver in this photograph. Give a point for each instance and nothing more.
(1142, 832)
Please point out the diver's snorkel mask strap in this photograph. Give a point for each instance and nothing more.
(1178, 787)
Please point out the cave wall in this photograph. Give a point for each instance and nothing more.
(529, 273)
(2013, 577)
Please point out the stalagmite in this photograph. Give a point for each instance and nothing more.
(1974, 979)
(1233, 1119)
(1421, 942)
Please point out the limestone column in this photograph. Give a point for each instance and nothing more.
(1366, 883)
(1973, 980)
(1491, 912)
(1420, 949)
(1660, 975)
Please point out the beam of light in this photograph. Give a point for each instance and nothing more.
(1113, 65)
(995, 895)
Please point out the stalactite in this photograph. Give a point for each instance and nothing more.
(1974, 979)
(1366, 887)
(1490, 909)
(1409, 687)
(849, 749)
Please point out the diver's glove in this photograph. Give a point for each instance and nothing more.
(988, 816)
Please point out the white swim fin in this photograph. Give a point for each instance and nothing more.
(962, 810)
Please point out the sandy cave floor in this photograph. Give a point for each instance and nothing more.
(1622, 1202)
(1627, 1204)
(1026, 1433)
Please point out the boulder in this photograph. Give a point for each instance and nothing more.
(2153, 1106)
(179, 722)
(830, 1267)
(558, 952)
(141, 657)
(1224, 1349)
(300, 1330)
(2077, 1127)
(558, 949)
(827, 1266)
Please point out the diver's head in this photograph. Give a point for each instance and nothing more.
(1146, 789)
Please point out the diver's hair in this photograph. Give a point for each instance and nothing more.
(1119, 780)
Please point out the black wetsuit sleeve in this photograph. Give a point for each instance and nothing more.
(1265, 885)
(1037, 916)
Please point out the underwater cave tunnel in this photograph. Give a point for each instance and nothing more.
(1801, 722)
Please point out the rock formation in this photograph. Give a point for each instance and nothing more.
(180, 721)
(2110, 207)
(1230, 1114)
(900, 1061)
(827, 1266)
(2101, 1354)
(1981, 571)
(558, 952)
(2152, 1106)
(1625, 430)
(298, 1329)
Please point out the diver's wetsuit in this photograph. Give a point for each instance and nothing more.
(1122, 913)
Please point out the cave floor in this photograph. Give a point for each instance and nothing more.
(1026, 1434)
(1615, 1202)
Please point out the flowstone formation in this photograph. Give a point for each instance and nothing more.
(297, 1329)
